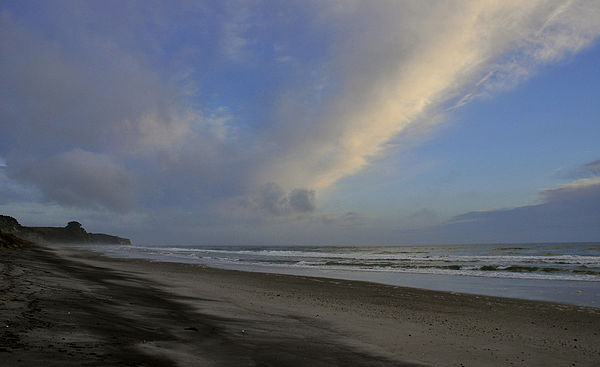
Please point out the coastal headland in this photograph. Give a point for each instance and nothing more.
(73, 232)
(63, 306)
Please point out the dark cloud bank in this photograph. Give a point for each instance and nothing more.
(273, 200)
(80, 178)
(567, 213)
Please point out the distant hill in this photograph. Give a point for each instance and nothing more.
(72, 233)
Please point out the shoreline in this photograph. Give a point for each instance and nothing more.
(184, 314)
(578, 292)
(571, 292)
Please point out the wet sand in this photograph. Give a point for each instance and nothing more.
(60, 306)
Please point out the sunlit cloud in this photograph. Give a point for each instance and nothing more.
(398, 71)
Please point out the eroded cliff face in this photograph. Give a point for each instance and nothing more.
(73, 232)
(8, 240)
(9, 224)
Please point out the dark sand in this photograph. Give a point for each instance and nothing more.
(60, 307)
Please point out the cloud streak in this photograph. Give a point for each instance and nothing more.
(404, 63)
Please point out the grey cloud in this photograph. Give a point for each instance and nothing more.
(568, 213)
(594, 166)
(423, 217)
(79, 178)
(345, 220)
(587, 170)
(273, 200)
(354, 219)
(584, 189)
(90, 94)
(302, 200)
(11, 191)
(78, 95)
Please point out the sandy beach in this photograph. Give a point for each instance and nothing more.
(61, 306)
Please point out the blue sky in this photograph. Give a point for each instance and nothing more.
(498, 152)
(258, 122)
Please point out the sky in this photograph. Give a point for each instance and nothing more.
(303, 122)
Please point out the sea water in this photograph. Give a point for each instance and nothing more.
(559, 272)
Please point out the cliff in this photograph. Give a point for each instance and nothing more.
(8, 240)
(72, 233)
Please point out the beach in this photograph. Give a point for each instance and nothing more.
(63, 306)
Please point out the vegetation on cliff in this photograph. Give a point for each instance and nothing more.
(73, 232)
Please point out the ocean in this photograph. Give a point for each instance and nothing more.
(559, 272)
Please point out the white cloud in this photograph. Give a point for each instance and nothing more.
(400, 63)
(235, 45)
